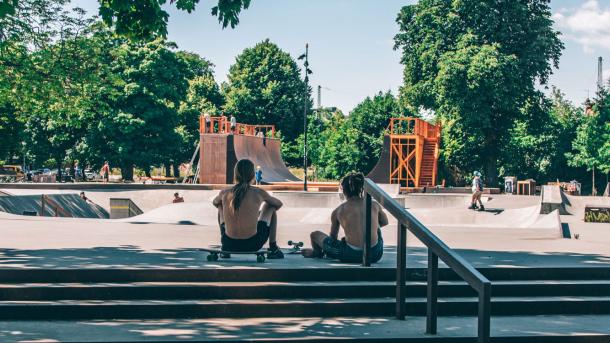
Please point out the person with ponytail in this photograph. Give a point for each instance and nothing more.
(349, 216)
(247, 214)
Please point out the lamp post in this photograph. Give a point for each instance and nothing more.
(307, 71)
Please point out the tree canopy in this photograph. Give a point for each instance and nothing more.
(265, 87)
(141, 19)
(475, 63)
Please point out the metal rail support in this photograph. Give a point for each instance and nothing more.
(366, 254)
(401, 271)
(432, 294)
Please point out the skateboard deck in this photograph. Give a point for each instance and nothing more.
(491, 210)
(295, 247)
(215, 253)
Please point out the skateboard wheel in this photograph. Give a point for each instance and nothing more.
(260, 258)
(300, 244)
(289, 242)
(210, 257)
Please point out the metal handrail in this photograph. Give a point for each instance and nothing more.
(436, 249)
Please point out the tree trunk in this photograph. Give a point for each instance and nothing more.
(490, 158)
(127, 171)
(176, 167)
(59, 171)
(168, 169)
(147, 171)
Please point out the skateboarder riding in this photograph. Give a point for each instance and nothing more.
(247, 214)
(349, 216)
(477, 190)
(259, 175)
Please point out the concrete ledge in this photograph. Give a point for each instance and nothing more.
(552, 199)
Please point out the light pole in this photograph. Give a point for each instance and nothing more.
(307, 71)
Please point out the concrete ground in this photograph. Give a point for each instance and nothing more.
(517, 237)
(291, 328)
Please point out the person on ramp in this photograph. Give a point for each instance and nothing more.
(247, 214)
(477, 191)
(349, 215)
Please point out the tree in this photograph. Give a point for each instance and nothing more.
(203, 95)
(370, 118)
(475, 64)
(142, 19)
(592, 143)
(45, 73)
(337, 153)
(265, 88)
(138, 114)
(538, 141)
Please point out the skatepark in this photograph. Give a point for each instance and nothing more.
(122, 262)
(121, 278)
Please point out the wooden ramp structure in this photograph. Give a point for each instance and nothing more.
(222, 146)
(410, 154)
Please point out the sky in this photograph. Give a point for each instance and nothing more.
(351, 42)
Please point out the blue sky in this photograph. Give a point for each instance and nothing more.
(351, 42)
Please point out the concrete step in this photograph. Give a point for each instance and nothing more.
(253, 308)
(310, 290)
(266, 274)
(521, 329)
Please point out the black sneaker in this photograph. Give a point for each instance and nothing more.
(482, 208)
(472, 207)
(275, 254)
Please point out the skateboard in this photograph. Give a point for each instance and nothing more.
(214, 254)
(295, 247)
(495, 211)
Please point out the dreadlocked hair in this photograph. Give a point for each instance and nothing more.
(244, 173)
(353, 185)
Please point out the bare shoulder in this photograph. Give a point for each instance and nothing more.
(259, 191)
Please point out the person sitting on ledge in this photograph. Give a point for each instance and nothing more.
(177, 198)
(349, 215)
(247, 214)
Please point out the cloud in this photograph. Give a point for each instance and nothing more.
(588, 25)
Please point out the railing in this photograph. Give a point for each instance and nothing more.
(223, 125)
(57, 209)
(413, 126)
(436, 249)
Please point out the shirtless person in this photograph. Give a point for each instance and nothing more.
(349, 216)
(245, 225)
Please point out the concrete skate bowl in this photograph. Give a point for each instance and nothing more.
(431, 201)
(263, 152)
(204, 213)
(575, 205)
(526, 220)
(70, 203)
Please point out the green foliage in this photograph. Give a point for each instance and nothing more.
(475, 63)
(81, 92)
(141, 19)
(370, 118)
(339, 144)
(592, 142)
(139, 126)
(265, 88)
(144, 19)
(538, 142)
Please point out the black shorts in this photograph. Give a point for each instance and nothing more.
(253, 243)
(343, 252)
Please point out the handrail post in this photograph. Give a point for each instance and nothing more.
(366, 253)
(401, 270)
(484, 313)
(42, 203)
(432, 293)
